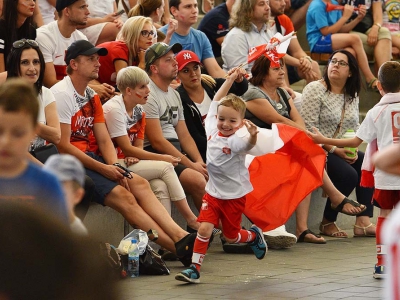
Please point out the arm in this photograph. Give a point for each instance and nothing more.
(51, 131)
(220, 40)
(318, 138)
(65, 146)
(362, 10)
(337, 27)
(377, 17)
(388, 159)
(2, 63)
(37, 16)
(264, 111)
(213, 68)
(50, 77)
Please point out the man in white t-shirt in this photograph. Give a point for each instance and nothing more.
(103, 24)
(166, 130)
(55, 37)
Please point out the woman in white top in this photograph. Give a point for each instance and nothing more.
(26, 60)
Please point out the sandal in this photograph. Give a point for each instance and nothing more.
(372, 86)
(365, 233)
(303, 239)
(337, 234)
(340, 207)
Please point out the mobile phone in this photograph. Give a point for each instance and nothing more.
(120, 12)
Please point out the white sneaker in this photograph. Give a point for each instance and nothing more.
(279, 238)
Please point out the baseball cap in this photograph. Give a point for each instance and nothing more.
(184, 57)
(65, 167)
(61, 4)
(82, 47)
(158, 50)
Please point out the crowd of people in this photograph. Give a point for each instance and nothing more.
(145, 110)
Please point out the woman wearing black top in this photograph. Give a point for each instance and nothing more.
(16, 23)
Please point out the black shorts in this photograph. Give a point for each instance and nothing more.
(102, 185)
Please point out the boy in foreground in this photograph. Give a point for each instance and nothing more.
(22, 181)
(380, 128)
(229, 180)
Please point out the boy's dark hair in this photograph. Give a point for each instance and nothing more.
(14, 62)
(388, 76)
(174, 3)
(17, 95)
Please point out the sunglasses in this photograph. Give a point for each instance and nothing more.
(20, 43)
(146, 33)
(127, 172)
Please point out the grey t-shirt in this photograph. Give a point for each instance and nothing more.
(165, 106)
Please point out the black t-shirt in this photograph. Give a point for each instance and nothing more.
(214, 25)
(5, 48)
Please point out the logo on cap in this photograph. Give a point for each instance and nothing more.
(187, 56)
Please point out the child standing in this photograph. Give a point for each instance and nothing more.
(381, 128)
(70, 172)
(229, 180)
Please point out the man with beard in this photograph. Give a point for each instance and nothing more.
(299, 65)
(55, 37)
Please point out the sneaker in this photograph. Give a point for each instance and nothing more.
(259, 246)
(189, 275)
(279, 238)
(379, 272)
(185, 245)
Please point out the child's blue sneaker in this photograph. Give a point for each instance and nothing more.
(189, 275)
(259, 246)
(379, 272)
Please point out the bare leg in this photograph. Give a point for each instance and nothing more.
(382, 53)
(193, 184)
(140, 188)
(301, 220)
(353, 41)
(186, 212)
(125, 203)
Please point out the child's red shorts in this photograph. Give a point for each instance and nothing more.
(387, 199)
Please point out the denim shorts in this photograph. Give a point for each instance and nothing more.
(323, 45)
(102, 185)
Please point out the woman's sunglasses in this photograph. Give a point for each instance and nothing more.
(20, 43)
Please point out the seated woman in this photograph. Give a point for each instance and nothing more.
(125, 120)
(267, 103)
(128, 50)
(197, 91)
(331, 105)
(16, 22)
(329, 31)
(26, 60)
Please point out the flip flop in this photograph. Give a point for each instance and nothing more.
(302, 237)
(340, 207)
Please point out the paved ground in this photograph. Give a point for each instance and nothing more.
(340, 269)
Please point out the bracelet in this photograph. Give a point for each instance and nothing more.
(309, 58)
(379, 26)
(332, 149)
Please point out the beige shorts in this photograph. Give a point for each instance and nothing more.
(384, 33)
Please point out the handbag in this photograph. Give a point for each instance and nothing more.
(151, 263)
(44, 152)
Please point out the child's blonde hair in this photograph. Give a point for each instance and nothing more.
(235, 102)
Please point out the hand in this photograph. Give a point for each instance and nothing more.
(362, 11)
(172, 26)
(241, 74)
(175, 84)
(311, 76)
(292, 94)
(118, 23)
(110, 17)
(171, 159)
(373, 36)
(316, 136)
(142, 61)
(112, 172)
(200, 167)
(104, 90)
(305, 65)
(342, 153)
(251, 128)
(129, 161)
(348, 11)
(124, 183)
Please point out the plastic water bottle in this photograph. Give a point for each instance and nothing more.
(349, 134)
(133, 259)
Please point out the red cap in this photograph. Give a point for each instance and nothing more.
(184, 57)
